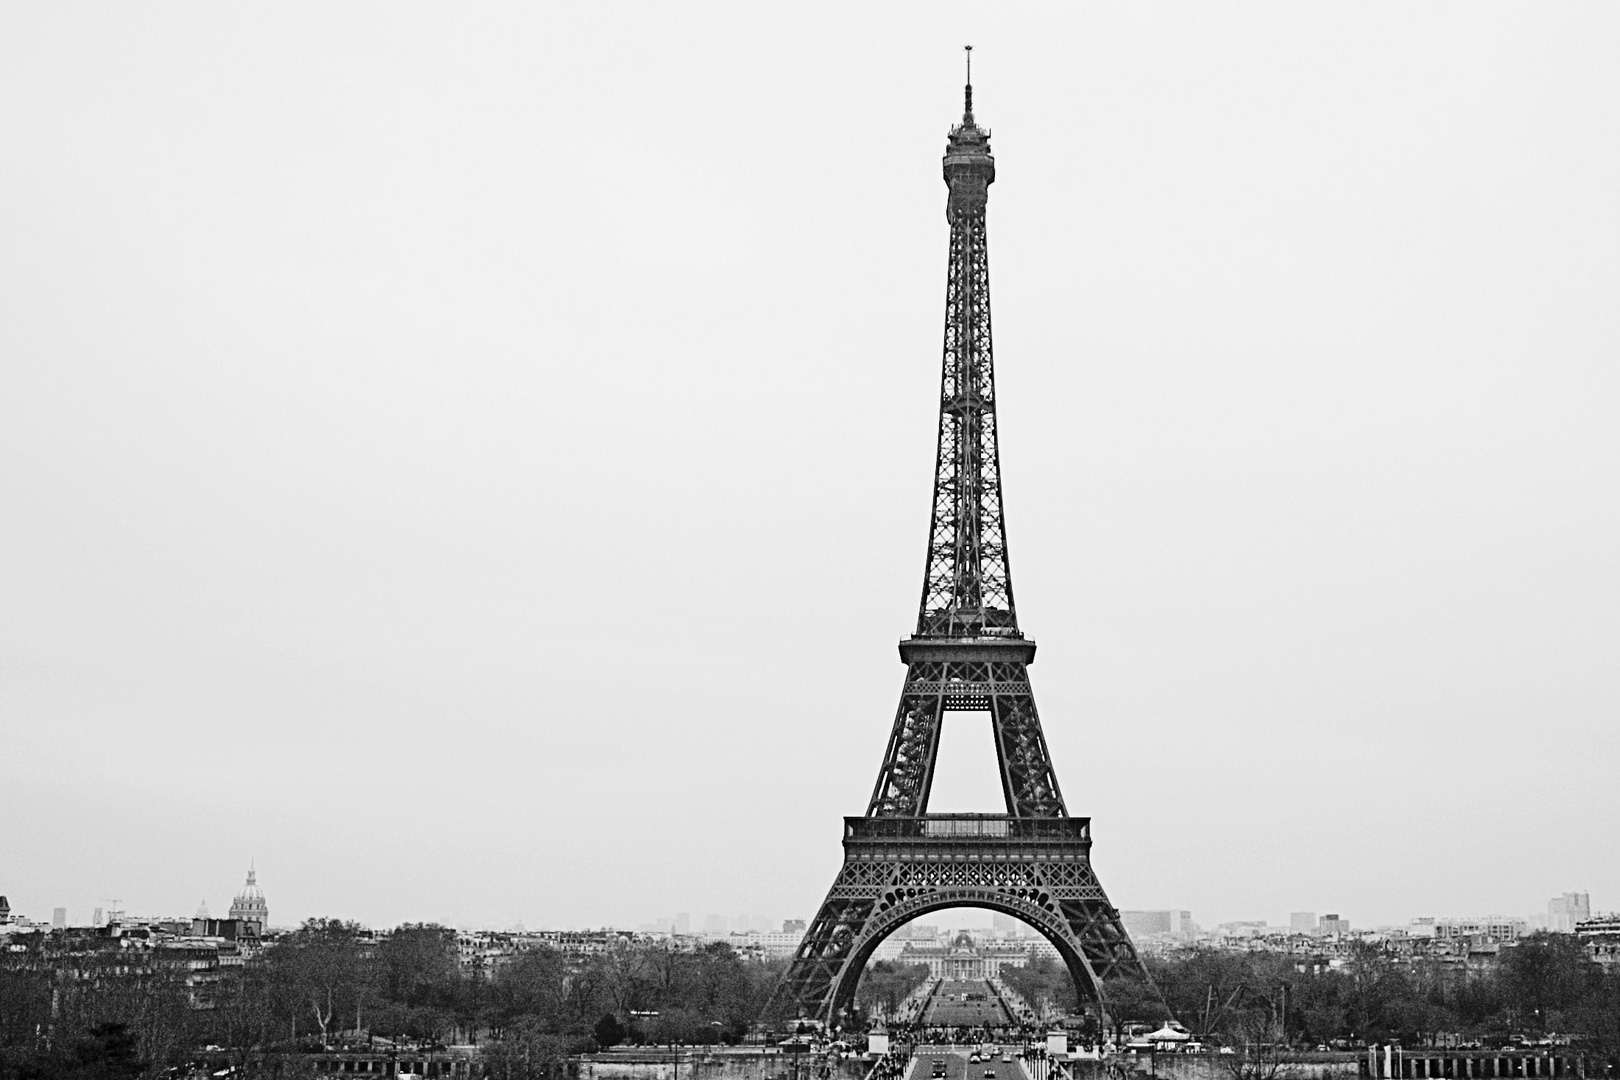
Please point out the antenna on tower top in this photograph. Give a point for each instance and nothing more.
(967, 96)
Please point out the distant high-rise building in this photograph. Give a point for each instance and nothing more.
(1490, 928)
(5, 911)
(1145, 923)
(250, 906)
(683, 922)
(96, 920)
(1563, 912)
(1302, 922)
(714, 924)
(792, 926)
(59, 918)
(1158, 923)
(1331, 925)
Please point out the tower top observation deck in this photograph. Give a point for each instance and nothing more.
(969, 166)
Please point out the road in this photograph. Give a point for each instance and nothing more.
(965, 1003)
(958, 1068)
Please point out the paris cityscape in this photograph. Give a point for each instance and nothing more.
(246, 926)
(455, 1001)
(467, 472)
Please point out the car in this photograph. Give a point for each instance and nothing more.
(989, 1074)
(974, 1058)
(1006, 1059)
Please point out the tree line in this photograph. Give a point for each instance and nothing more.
(68, 1010)
(1542, 986)
(80, 1008)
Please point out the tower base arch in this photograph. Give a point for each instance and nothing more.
(1037, 870)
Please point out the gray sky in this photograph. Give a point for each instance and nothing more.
(475, 461)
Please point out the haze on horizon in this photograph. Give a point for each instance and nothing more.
(474, 463)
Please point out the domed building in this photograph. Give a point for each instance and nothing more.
(965, 957)
(249, 905)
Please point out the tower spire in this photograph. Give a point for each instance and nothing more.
(967, 91)
(967, 587)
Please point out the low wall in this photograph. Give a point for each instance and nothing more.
(1477, 1063)
(1374, 1064)
(1214, 1067)
(742, 1064)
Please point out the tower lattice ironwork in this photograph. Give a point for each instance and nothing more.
(1034, 861)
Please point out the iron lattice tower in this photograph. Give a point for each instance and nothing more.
(1034, 861)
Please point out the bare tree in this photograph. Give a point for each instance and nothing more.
(321, 965)
(1259, 1051)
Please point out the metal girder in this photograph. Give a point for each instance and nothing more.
(1002, 689)
(967, 584)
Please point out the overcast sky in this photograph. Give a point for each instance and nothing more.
(475, 460)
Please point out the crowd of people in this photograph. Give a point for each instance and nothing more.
(919, 1034)
(893, 1065)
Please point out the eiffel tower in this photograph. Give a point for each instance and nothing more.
(1034, 861)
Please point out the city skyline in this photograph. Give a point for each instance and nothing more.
(1560, 914)
(410, 480)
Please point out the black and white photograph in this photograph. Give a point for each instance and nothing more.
(508, 517)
